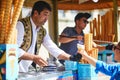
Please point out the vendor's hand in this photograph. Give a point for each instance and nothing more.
(79, 37)
(38, 60)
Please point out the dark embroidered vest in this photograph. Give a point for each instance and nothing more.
(28, 34)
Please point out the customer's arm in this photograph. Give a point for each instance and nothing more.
(53, 49)
(90, 59)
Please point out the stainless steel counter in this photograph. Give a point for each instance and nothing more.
(38, 76)
(55, 75)
(59, 74)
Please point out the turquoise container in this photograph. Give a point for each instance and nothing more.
(71, 65)
(86, 72)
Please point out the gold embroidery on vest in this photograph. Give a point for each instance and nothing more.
(28, 35)
(40, 36)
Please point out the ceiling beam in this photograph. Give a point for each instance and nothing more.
(89, 6)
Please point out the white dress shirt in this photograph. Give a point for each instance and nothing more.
(47, 42)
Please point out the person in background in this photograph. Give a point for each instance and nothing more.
(31, 34)
(112, 70)
(71, 36)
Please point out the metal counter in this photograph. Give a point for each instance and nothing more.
(55, 75)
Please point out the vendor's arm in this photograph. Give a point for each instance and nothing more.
(64, 56)
(53, 48)
(35, 58)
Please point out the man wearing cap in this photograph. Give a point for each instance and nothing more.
(71, 36)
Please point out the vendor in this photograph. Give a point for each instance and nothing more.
(31, 34)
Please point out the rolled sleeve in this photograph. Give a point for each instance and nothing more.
(21, 52)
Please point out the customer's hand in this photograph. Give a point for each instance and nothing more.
(81, 50)
(38, 60)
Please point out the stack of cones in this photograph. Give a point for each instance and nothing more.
(9, 16)
(93, 52)
(88, 41)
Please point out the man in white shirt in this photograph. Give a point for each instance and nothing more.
(31, 32)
